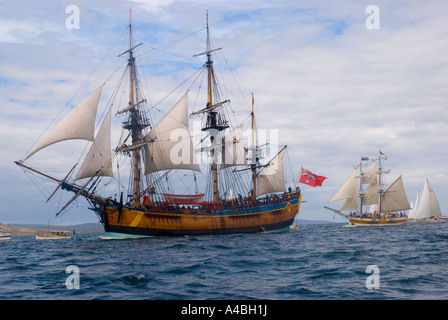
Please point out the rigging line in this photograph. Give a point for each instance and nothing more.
(98, 125)
(30, 174)
(139, 67)
(177, 40)
(84, 151)
(181, 179)
(202, 75)
(290, 167)
(189, 60)
(76, 92)
(154, 106)
(234, 78)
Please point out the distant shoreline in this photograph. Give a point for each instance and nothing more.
(20, 231)
(32, 229)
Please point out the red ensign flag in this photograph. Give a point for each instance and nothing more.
(311, 179)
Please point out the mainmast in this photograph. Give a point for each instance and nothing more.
(212, 116)
(215, 122)
(136, 131)
(380, 172)
(360, 192)
(209, 66)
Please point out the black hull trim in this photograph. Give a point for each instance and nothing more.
(182, 232)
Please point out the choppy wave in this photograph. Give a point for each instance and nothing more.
(310, 262)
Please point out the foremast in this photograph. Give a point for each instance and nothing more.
(135, 123)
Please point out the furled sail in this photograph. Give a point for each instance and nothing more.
(394, 198)
(78, 124)
(272, 178)
(184, 197)
(172, 147)
(428, 205)
(99, 156)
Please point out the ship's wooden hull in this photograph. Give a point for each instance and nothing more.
(262, 217)
(371, 222)
(430, 220)
(51, 237)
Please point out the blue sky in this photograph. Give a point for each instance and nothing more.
(334, 89)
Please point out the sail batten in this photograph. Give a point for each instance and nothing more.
(78, 124)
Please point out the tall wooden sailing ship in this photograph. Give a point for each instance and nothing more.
(367, 201)
(148, 207)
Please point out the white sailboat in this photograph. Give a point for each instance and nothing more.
(427, 209)
(413, 210)
(386, 207)
(53, 234)
(4, 235)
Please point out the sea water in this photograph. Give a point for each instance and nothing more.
(318, 262)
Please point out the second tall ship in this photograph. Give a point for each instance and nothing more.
(367, 201)
(242, 195)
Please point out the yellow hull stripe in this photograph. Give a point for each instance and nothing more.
(137, 219)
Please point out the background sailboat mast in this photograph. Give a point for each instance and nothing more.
(380, 172)
(254, 159)
(361, 194)
(380, 189)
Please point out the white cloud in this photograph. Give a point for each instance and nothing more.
(17, 32)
